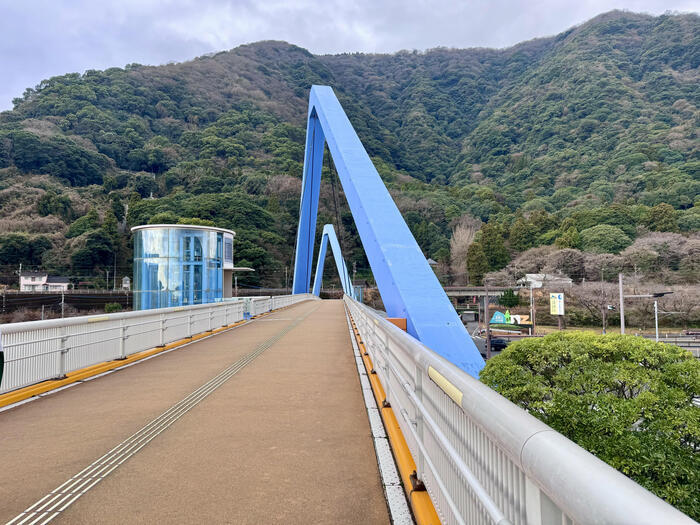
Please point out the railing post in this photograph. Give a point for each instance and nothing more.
(418, 388)
(64, 350)
(162, 330)
(385, 367)
(122, 339)
(189, 324)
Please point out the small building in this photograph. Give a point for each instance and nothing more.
(180, 264)
(545, 280)
(42, 282)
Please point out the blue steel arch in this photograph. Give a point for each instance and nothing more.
(407, 284)
(327, 238)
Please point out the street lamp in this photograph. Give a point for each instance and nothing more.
(642, 296)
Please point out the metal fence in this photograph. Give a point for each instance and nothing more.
(485, 460)
(39, 350)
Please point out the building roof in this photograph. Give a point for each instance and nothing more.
(546, 277)
(33, 274)
(58, 280)
(181, 226)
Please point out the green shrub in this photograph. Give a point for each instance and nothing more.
(111, 308)
(626, 399)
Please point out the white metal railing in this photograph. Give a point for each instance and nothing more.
(39, 350)
(485, 460)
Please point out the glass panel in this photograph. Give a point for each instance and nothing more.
(155, 243)
(197, 249)
(197, 284)
(187, 284)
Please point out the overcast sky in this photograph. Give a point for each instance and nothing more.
(43, 38)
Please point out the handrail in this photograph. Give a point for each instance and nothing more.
(36, 351)
(529, 473)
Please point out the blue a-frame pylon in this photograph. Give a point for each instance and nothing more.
(327, 238)
(407, 285)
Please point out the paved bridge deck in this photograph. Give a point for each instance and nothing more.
(283, 438)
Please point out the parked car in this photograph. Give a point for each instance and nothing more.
(497, 344)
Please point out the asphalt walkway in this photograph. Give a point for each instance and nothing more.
(264, 423)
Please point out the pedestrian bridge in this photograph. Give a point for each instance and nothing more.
(290, 409)
(277, 410)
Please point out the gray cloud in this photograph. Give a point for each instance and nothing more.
(43, 38)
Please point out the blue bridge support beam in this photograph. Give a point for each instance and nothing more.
(327, 238)
(407, 285)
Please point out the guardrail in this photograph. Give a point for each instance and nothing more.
(39, 350)
(485, 460)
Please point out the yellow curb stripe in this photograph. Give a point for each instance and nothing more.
(421, 504)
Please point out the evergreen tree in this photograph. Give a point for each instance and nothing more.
(110, 227)
(494, 247)
(522, 235)
(569, 239)
(477, 264)
(509, 299)
(662, 218)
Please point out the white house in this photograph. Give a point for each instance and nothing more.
(42, 282)
(547, 280)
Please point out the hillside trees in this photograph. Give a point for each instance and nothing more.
(547, 142)
(18, 248)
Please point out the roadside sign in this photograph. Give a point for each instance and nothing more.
(498, 318)
(556, 303)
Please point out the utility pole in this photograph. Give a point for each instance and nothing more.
(656, 319)
(63, 305)
(533, 310)
(654, 296)
(622, 305)
(286, 280)
(487, 319)
(107, 279)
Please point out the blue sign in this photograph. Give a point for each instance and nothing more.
(498, 318)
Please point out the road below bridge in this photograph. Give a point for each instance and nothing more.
(281, 437)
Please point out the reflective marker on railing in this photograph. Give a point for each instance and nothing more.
(455, 393)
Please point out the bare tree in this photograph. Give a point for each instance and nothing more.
(595, 297)
(683, 304)
(462, 236)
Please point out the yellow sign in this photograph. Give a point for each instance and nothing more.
(556, 303)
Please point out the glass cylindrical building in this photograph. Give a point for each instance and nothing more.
(179, 264)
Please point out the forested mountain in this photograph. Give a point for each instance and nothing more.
(585, 140)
